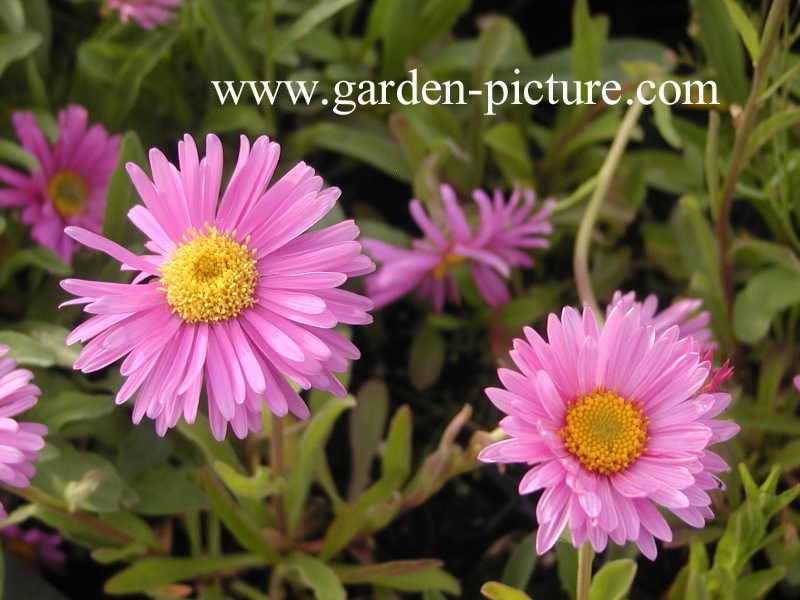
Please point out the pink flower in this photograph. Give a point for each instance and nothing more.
(147, 13)
(491, 250)
(69, 187)
(19, 442)
(613, 421)
(236, 294)
(35, 546)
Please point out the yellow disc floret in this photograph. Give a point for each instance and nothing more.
(68, 193)
(605, 432)
(449, 260)
(210, 277)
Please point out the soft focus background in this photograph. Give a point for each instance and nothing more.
(391, 474)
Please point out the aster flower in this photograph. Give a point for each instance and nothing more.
(236, 294)
(490, 250)
(19, 442)
(613, 422)
(148, 14)
(34, 546)
(69, 186)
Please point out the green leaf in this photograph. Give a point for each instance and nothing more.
(723, 49)
(745, 28)
(766, 294)
(402, 575)
(199, 433)
(227, 29)
(367, 424)
(15, 46)
(494, 590)
(756, 585)
(140, 61)
(14, 153)
(69, 407)
(511, 153)
(367, 145)
(770, 127)
(308, 20)
(613, 580)
(588, 35)
(82, 480)
(39, 257)
(261, 484)
(240, 524)
(519, 568)
(121, 194)
(184, 494)
(316, 575)
(27, 351)
(567, 567)
(152, 573)
(426, 358)
(306, 457)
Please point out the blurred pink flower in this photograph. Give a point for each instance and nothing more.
(236, 294)
(34, 546)
(498, 243)
(613, 421)
(147, 13)
(19, 442)
(69, 186)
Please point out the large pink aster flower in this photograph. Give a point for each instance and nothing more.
(34, 546)
(19, 442)
(490, 250)
(69, 186)
(148, 14)
(236, 294)
(613, 421)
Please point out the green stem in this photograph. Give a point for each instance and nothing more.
(746, 122)
(585, 557)
(580, 261)
(278, 468)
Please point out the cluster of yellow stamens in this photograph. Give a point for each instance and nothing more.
(68, 193)
(449, 260)
(210, 277)
(605, 432)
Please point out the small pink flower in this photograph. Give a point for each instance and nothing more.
(19, 442)
(613, 421)
(491, 249)
(148, 14)
(236, 294)
(69, 186)
(34, 545)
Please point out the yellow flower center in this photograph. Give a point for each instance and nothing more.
(605, 432)
(210, 277)
(450, 259)
(68, 193)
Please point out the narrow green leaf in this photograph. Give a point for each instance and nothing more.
(494, 590)
(426, 358)
(402, 575)
(261, 484)
(317, 576)
(15, 46)
(227, 29)
(770, 127)
(745, 28)
(240, 524)
(613, 580)
(308, 20)
(519, 567)
(152, 573)
(756, 585)
(367, 424)
(306, 455)
(14, 153)
(121, 194)
(766, 294)
(723, 49)
(39, 257)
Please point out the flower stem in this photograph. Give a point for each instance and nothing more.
(277, 466)
(585, 557)
(604, 176)
(744, 125)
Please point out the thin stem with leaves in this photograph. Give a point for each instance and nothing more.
(584, 583)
